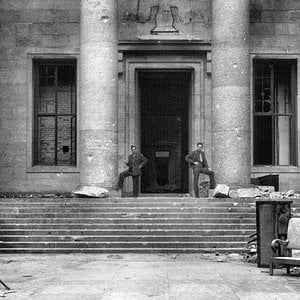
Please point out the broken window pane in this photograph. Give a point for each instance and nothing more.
(65, 140)
(47, 100)
(284, 140)
(46, 140)
(274, 112)
(55, 112)
(263, 140)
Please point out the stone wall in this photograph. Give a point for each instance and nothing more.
(29, 28)
(275, 26)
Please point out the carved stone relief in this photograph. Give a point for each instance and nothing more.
(162, 13)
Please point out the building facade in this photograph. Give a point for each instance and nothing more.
(83, 80)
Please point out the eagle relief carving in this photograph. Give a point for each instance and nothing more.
(162, 13)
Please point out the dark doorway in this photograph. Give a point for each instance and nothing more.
(164, 97)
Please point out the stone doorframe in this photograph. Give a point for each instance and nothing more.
(129, 100)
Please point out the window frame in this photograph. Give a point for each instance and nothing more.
(275, 169)
(31, 167)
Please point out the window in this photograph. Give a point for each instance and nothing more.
(274, 112)
(54, 112)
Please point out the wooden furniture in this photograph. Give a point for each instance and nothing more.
(282, 249)
(271, 223)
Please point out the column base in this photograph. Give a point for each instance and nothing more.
(115, 193)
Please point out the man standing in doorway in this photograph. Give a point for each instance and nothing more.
(136, 161)
(198, 163)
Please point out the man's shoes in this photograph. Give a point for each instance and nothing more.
(212, 187)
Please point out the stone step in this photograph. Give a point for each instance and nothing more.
(126, 199)
(111, 215)
(135, 202)
(126, 226)
(141, 199)
(125, 245)
(110, 205)
(152, 250)
(134, 232)
(119, 225)
(72, 210)
(138, 220)
(140, 238)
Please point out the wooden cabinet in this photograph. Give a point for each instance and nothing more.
(272, 218)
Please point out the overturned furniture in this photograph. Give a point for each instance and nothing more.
(282, 249)
(272, 218)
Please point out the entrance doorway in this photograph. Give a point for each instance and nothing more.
(164, 100)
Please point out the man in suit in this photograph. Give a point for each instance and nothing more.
(198, 163)
(136, 161)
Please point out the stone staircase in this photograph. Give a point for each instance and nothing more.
(120, 225)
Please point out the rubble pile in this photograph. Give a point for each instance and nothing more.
(223, 191)
(267, 193)
(251, 255)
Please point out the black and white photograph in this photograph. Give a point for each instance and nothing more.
(150, 149)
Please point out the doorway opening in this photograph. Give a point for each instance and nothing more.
(164, 103)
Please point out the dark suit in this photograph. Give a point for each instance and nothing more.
(201, 167)
(135, 162)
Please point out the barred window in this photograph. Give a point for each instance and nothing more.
(54, 140)
(274, 112)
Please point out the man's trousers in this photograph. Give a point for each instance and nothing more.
(197, 171)
(135, 182)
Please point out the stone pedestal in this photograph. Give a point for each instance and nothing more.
(98, 93)
(231, 92)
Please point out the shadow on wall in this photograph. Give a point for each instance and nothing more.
(268, 180)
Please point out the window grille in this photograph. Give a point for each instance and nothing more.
(274, 112)
(54, 112)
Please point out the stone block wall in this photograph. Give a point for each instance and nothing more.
(51, 27)
(275, 26)
(30, 27)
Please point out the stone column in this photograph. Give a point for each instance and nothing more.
(231, 92)
(98, 93)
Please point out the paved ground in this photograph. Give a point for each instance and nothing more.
(153, 276)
